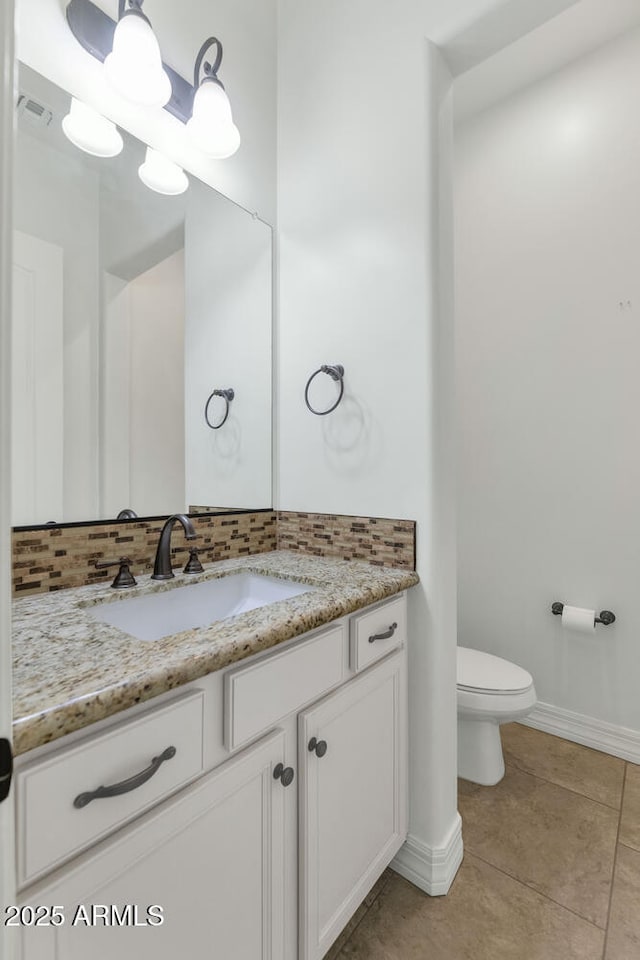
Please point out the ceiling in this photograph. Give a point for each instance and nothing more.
(577, 31)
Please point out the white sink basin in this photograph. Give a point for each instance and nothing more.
(194, 605)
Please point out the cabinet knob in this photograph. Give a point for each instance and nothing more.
(317, 746)
(284, 774)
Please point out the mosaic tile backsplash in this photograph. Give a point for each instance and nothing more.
(61, 557)
(385, 543)
(45, 560)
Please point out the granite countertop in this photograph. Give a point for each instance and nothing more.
(71, 670)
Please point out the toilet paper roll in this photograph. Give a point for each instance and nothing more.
(578, 619)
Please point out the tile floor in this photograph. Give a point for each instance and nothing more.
(551, 868)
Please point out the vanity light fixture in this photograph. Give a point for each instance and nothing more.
(162, 175)
(134, 66)
(211, 125)
(131, 55)
(90, 131)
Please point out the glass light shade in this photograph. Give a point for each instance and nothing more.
(134, 66)
(90, 131)
(162, 175)
(211, 126)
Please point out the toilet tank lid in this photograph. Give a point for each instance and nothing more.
(483, 671)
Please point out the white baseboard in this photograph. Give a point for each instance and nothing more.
(607, 737)
(432, 869)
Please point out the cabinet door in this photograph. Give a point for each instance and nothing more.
(212, 858)
(352, 798)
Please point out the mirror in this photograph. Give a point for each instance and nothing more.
(130, 309)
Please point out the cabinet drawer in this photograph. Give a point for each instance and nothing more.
(258, 696)
(375, 633)
(52, 828)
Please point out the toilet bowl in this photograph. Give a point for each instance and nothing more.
(491, 691)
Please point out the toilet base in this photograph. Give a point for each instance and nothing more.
(480, 751)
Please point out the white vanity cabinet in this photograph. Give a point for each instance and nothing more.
(352, 799)
(212, 858)
(269, 849)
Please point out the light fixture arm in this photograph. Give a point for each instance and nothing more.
(135, 6)
(211, 70)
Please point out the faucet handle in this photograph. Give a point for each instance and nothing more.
(193, 564)
(124, 577)
(193, 555)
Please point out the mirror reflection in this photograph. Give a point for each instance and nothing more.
(132, 309)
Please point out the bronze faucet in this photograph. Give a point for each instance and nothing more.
(162, 569)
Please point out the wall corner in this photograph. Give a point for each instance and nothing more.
(432, 869)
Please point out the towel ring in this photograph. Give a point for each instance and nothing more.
(336, 372)
(228, 396)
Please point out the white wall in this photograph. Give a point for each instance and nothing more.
(143, 444)
(115, 398)
(37, 384)
(581, 28)
(247, 29)
(138, 227)
(56, 199)
(228, 285)
(359, 285)
(548, 232)
(157, 388)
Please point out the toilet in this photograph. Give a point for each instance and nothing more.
(491, 691)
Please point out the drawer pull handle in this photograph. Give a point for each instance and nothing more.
(319, 747)
(125, 786)
(384, 636)
(284, 774)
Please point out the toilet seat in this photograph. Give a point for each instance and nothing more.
(482, 673)
(500, 707)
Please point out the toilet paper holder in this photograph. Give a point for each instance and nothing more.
(606, 616)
